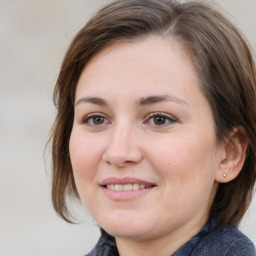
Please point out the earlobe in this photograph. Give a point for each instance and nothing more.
(233, 156)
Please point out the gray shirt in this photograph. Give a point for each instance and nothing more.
(210, 241)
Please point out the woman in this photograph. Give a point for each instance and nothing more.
(155, 130)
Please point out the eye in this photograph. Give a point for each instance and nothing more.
(160, 119)
(95, 119)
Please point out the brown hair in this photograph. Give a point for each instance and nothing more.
(225, 66)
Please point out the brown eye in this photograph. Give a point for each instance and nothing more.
(95, 120)
(98, 120)
(159, 120)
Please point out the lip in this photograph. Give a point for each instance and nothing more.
(125, 180)
(126, 195)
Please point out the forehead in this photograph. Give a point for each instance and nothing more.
(146, 64)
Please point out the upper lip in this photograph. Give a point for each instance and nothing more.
(125, 180)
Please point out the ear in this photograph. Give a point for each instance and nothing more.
(232, 157)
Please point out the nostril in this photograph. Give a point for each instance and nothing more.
(121, 154)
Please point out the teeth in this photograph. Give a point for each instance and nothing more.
(118, 187)
(136, 186)
(125, 187)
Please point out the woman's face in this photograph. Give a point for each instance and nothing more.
(143, 146)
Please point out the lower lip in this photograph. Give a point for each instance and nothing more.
(125, 195)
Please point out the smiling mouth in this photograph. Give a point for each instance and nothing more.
(127, 187)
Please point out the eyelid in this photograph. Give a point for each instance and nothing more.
(169, 117)
(161, 114)
(86, 117)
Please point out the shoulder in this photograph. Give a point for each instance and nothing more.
(226, 241)
(106, 246)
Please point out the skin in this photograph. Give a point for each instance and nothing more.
(168, 142)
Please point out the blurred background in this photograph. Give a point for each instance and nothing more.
(34, 35)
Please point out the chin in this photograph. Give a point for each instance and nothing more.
(126, 229)
(128, 233)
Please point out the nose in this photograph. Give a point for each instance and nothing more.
(123, 148)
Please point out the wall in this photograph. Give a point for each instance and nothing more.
(33, 38)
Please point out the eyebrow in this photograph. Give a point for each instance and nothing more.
(93, 100)
(161, 98)
(150, 100)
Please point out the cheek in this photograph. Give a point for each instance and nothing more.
(184, 158)
(187, 171)
(85, 157)
(84, 150)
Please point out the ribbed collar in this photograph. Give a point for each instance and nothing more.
(188, 247)
(108, 245)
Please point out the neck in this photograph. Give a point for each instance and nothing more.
(162, 246)
(139, 248)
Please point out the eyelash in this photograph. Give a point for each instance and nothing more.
(166, 117)
(90, 118)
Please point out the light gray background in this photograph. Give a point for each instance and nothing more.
(34, 35)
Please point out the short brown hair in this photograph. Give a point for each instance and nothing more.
(224, 64)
